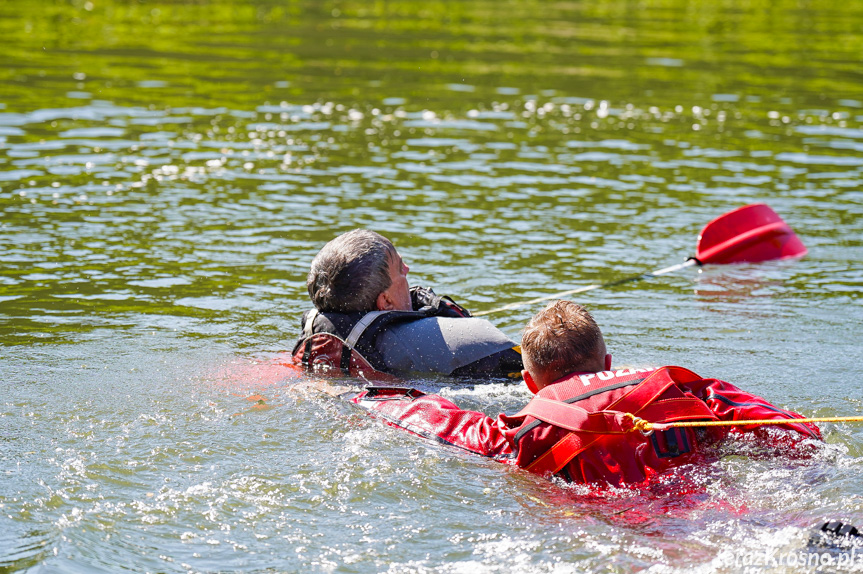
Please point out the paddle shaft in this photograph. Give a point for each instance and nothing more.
(750, 233)
(688, 263)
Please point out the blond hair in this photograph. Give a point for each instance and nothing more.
(562, 338)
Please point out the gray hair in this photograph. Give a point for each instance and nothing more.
(350, 272)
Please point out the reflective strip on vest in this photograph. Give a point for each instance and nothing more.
(361, 326)
(308, 327)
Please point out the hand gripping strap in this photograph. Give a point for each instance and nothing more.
(635, 401)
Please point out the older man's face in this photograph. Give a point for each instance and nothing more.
(398, 296)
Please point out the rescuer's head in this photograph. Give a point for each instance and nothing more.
(561, 339)
(359, 271)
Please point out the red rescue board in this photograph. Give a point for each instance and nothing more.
(751, 233)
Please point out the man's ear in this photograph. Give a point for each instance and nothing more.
(384, 302)
(608, 362)
(528, 380)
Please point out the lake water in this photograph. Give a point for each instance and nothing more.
(169, 169)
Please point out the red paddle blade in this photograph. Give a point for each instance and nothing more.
(750, 233)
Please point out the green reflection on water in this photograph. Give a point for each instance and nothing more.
(237, 53)
(177, 164)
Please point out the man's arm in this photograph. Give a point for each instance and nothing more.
(733, 404)
(434, 417)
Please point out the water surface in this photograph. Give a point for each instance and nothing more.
(168, 170)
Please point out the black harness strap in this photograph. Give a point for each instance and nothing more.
(345, 361)
(307, 352)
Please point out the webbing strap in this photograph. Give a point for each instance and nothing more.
(310, 320)
(361, 326)
(574, 418)
(561, 453)
(635, 401)
(307, 352)
(345, 361)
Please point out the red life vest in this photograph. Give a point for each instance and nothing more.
(592, 407)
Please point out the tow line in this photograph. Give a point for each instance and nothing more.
(647, 427)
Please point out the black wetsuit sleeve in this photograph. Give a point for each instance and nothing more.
(424, 298)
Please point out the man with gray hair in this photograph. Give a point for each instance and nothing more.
(369, 322)
(352, 273)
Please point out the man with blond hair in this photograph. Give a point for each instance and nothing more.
(577, 426)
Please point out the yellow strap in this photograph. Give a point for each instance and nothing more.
(648, 427)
